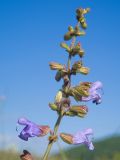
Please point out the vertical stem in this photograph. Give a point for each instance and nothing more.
(45, 157)
(69, 60)
(69, 57)
(73, 42)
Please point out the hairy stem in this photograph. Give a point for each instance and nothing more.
(57, 124)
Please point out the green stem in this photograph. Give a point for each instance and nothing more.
(73, 42)
(69, 57)
(45, 157)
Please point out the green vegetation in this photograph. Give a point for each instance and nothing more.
(8, 155)
(107, 149)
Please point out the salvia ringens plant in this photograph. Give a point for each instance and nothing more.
(62, 105)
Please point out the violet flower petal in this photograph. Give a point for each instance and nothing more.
(83, 138)
(30, 130)
(94, 94)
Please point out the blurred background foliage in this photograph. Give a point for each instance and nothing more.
(105, 149)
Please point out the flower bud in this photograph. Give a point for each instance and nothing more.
(67, 36)
(80, 11)
(80, 115)
(53, 106)
(26, 155)
(87, 84)
(68, 138)
(79, 109)
(76, 66)
(58, 76)
(80, 16)
(84, 25)
(81, 53)
(71, 29)
(86, 10)
(70, 113)
(58, 97)
(64, 45)
(83, 70)
(56, 66)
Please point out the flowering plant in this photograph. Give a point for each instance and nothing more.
(83, 92)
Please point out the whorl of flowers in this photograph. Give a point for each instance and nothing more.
(62, 105)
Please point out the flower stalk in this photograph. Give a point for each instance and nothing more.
(57, 124)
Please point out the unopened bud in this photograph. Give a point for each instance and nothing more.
(87, 84)
(86, 10)
(71, 29)
(53, 106)
(77, 65)
(80, 11)
(64, 45)
(70, 113)
(26, 155)
(67, 36)
(56, 66)
(68, 138)
(58, 76)
(84, 25)
(81, 53)
(79, 109)
(58, 97)
(80, 115)
(84, 70)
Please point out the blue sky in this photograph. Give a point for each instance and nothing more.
(30, 34)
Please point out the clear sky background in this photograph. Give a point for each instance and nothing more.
(30, 34)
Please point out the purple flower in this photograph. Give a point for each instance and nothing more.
(94, 93)
(84, 138)
(31, 129)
